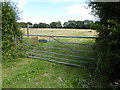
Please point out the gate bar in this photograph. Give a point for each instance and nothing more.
(55, 61)
(59, 54)
(56, 57)
(59, 36)
(60, 48)
(74, 43)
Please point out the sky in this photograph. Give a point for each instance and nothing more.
(48, 11)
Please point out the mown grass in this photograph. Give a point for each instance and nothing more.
(36, 73)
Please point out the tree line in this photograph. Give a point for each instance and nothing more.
(86, 24)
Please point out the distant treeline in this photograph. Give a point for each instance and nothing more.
(86, 24)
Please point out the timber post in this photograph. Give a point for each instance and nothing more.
(28, 30)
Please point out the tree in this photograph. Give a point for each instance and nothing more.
(65, 25)
(74, 24)
(56, 24)
(43, 25)
(70, 24)
(29, 23)
(87, 24)
(35, 25)
(79, 24)
(105, 11)
(22, 24)
(108, 64)
(59, 25)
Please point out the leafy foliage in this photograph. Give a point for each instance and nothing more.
(56, 24)
(86, 24)
(0, 15)
(109, 50)
(108, 65)
(11, 34)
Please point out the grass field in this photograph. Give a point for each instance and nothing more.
(72, 32)
(63, 32)
(34, 73)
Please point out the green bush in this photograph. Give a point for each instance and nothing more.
(11, 34)
(108, 41)
(109, 50)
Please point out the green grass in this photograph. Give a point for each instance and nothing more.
(33, 73)
(36, 73)
(66, 52)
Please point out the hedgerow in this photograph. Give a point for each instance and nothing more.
(11, 34)
(108, 41)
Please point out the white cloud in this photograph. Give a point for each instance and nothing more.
(77, 9)
(75, 12)
(56, 0)
(21, 3)
(26, 18)
(45, 19)
(66, 0)
(32, 19)
(81, 10)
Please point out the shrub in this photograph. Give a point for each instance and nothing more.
(11, 34)
(108, 41)
(109, 50)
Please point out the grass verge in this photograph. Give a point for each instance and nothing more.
(33, 73)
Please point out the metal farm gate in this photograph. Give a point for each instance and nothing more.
(66, 50)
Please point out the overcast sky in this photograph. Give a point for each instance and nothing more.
(48, 11)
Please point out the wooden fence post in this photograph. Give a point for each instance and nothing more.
(28, 30)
